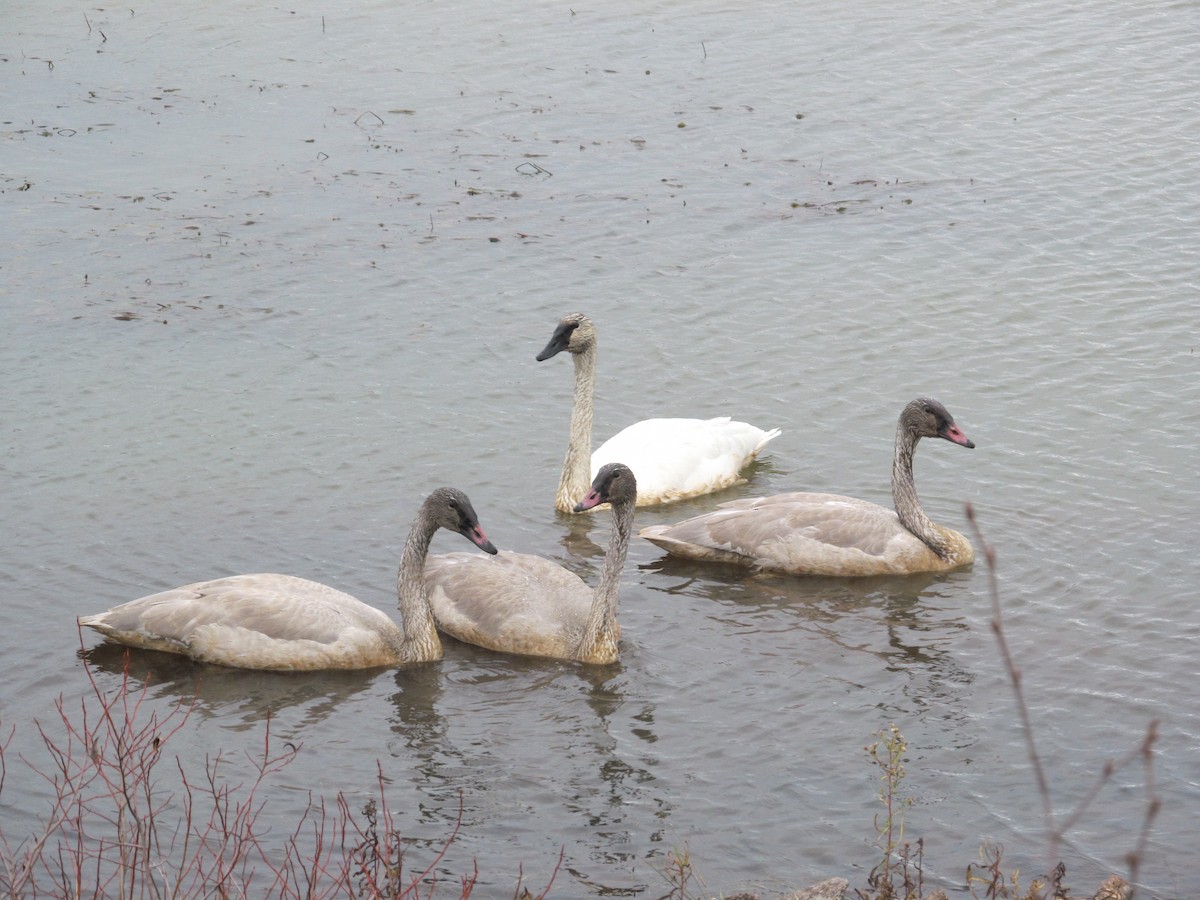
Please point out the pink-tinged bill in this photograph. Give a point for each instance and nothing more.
(953, 433)
(480, 540)
(592, 498)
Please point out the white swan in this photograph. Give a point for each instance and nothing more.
(827, 534)
(673, 458)
(518, 603)
(282, 622)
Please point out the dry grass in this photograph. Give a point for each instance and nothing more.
(127, 820)
(898, 875)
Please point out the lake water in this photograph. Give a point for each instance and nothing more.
(271, 274)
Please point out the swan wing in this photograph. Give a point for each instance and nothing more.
(511, 602)
(802, 533)
(263, 621)
(678, 458)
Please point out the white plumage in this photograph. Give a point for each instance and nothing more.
(673, 458)
(678, 458)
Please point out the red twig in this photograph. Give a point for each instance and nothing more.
(1145, 750)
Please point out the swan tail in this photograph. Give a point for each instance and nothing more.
(766, 438)
(659, 535)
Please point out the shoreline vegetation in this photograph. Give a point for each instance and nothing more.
(128, 819)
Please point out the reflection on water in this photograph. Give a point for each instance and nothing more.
(469, 763)
(246, 321)
(904, 622)
(585, 539)
(240, 698)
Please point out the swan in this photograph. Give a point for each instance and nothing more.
(673, 458)
(282, 622)
(827, 534)
(519, 603)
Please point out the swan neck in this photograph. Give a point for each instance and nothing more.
(904, 495)
(577, 467)
(420, 633)
(602, 634)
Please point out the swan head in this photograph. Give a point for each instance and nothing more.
(574, 333)
(449, 508)
(614, 484)
(926, 417)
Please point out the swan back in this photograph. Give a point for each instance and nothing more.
(675, 458)
(511, 603)
(281, 622)
(261, 621)
(828, 534)
(804, 533)
(525, 604)
(680, 458)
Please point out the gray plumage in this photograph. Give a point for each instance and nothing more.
(828, 534)
(523, 604)
(272, 621)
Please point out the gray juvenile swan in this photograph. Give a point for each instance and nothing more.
(518, 603)
(283, 622)
(827, 534)
(673, 458)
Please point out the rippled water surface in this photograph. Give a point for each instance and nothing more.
(271, 274)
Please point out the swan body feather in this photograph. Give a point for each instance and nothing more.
(673, 458)
(263, 621)
(680, 458)
(286, 623)
(514, 590)
(805, 533)
(524, 604)
(827, 534)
